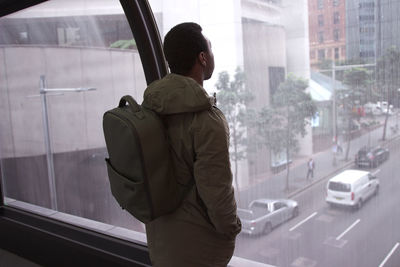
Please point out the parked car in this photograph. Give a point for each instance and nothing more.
(371, 156)
(351, 188)
(263, 215)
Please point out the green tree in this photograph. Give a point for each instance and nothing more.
(388, 79)
(358, 80)
(233, 98)
(124, 44)
(280, 124)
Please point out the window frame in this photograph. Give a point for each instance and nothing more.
(320, 4)
(321, 38)
(320, 20)
(50, 242)
(336, 17)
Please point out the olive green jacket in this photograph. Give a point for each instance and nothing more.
(202, 231)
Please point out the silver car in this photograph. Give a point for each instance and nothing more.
(265, 214)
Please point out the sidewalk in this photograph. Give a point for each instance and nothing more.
(273, 185)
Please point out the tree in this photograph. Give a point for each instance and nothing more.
(280, 124)
(233, 98)
(388, 79)
(358, 80)
(124, 44)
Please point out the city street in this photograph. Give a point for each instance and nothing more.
(324, 236)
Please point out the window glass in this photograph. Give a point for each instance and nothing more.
(320, 20)
(321, 37)
(336, 35)
(341, 187)
(62, 65)
(336, 17)
(336, 53)
(259, 37)
(320, 4)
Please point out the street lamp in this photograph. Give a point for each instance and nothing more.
(49, 155)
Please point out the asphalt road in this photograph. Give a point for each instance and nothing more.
(324, 236)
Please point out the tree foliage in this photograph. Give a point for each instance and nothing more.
(280, 125)
(388, 79)
(358, 79)
(359, 93)
(233, 99)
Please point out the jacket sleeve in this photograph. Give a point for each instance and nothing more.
(212, 171)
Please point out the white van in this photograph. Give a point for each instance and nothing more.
(351, 188)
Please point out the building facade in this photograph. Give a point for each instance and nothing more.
(327, 30)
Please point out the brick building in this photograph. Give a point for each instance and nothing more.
(327, 30)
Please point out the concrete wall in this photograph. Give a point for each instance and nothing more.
(75, 118)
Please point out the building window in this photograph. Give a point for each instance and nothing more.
(367, 30)
(336, 52)
(335, 2)
(312, 54)
(336, 18)
(321, 54)
(276, 77)
(320, 20)
(320, 4)
(336, 34)
(367, 17)
(367, 5)
(368, 53)
(321, 37)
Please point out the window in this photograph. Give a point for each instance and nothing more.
(367, 17)
(321, 54)
(94, 56)
(367, 5)
(335, 2)
(336, 53)
(312, 54)
(320, 4)
(336, 18)
(336, 186)
(367, 30)
(329, 54)
(320, 20)
(321, 37)
(336, 34)
(276, 76)
(368, 53)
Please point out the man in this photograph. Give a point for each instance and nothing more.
(310, 168)
(202, 231)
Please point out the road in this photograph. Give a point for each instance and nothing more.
(324, 236)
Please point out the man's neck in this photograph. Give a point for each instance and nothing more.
(196, 74)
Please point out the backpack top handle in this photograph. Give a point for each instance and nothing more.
(134, 106)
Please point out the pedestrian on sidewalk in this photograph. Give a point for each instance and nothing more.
(310, 168)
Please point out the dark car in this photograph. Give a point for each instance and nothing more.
(371, 156)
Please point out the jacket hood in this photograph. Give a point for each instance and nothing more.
(175, 94)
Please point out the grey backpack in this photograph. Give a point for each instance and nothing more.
(139, 166)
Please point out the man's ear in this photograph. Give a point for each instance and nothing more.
(202, 58)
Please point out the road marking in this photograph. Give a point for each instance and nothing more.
(303, 221)
(348, 229)
(388, 255)
(376, 172)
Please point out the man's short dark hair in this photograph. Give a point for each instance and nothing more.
(182, 45)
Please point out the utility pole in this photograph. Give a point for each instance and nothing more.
(46, 129)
